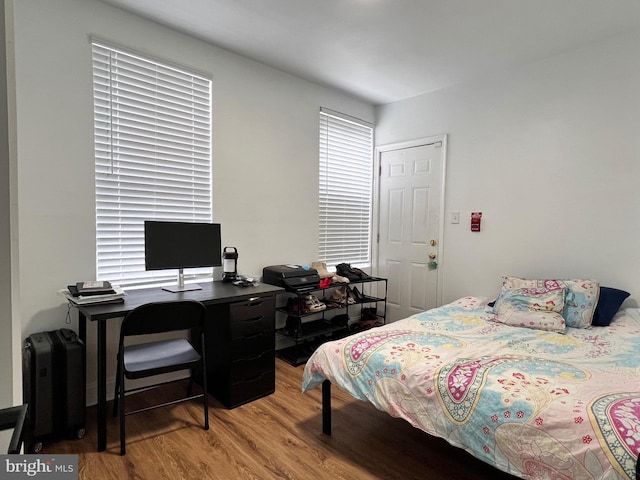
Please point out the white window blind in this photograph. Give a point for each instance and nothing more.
(152, 130)
(345, 193)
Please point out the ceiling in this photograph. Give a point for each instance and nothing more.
(383, 51)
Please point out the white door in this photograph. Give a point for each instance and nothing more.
(410, 222)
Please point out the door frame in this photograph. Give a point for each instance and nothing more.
(379, 150)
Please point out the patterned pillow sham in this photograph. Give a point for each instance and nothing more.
(580, 300)
(532, 308)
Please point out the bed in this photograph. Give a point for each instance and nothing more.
(531, 399)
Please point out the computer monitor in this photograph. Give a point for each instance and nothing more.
(170, 245)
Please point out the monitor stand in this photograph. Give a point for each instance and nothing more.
(181, 287)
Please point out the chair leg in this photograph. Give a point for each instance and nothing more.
(206, 403)
(116, 391)
(205, 393)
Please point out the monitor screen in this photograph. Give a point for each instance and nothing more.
(169, 245)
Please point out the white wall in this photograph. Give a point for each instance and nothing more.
(551, 155)
(6, 323)
(265, 149)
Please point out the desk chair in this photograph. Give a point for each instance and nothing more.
(162, 356)
(14, 417)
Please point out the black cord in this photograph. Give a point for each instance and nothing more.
(67, 320)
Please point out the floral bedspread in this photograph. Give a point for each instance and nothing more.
(536, 404)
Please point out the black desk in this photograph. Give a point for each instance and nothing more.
(212, 293)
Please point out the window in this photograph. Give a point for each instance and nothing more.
(152, 131)
(345, 194)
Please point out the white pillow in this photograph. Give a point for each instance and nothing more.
(580, 300)
(530, 309)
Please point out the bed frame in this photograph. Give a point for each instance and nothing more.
(326, 416)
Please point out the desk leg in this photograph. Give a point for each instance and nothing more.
(82, 330)
(102, 374)
(102, 385)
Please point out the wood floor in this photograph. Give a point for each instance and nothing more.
(277, 437)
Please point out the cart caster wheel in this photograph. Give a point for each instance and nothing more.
(80, 433)
(37, 447)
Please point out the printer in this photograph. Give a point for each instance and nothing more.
(294, 278)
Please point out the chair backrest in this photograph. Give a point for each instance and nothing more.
(159, 317)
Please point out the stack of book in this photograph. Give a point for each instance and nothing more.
(84, 293)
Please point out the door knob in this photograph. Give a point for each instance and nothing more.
(432, 256)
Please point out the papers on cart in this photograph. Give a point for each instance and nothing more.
(115, 295)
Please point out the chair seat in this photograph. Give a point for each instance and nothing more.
(147, 359)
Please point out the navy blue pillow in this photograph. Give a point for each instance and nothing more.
(608, 305)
